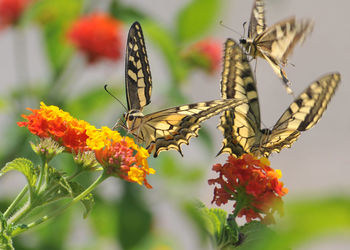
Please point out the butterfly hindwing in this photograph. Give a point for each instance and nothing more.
(169, 128)
(241, 124)
(138, 80)
(304, 112)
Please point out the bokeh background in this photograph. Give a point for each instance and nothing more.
(317, 167)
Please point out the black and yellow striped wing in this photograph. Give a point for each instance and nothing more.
(138, 80)
(279, 40)
(169, 128)
(257, 19)
(274, 43)
(304, 112)
(241, 124)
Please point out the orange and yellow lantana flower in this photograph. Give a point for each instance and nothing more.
(118, 155)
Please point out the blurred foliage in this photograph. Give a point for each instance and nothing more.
(129, 221)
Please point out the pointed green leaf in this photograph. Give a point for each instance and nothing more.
(216, 221)
(65, 189)
(253, 234)
(25, 166)
(88, 201)
(196, 19)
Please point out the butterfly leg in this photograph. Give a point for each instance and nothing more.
(119, 124)
(286, 82)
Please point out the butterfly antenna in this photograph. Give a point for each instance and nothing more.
(229, 28)
(105, 87)
(244, 28)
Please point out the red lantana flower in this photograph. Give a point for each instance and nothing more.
(252, 184)
(50, 121)
(97, 35)
(206, 54)
(118, 155)
(11, 11)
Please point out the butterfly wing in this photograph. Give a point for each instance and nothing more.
(257, 19)
(169, 128)
(241, 124)
(279, 40)
(138, 80)
(302, 114)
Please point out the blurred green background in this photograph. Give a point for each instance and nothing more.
(37, 64)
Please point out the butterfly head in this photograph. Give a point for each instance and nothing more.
(133, 118)
(243, 41)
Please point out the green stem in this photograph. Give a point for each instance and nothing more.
(22, 212)
(15, 202)
(54, 187)
(59, 211)
(42, 174)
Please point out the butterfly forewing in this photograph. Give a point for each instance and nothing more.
(279, 40)
(257, 19)
(138, 80)
(274, 43)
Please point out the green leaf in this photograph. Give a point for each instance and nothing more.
(223, 230)
(251, 235)
(65, 189)
(196, 19)
(135, 220)
(88, 201)
(5, 238)
(25, 166)
(215, 222)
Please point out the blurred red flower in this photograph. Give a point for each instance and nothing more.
(205, 54)
(11, 11)
(98, 36)
(252, 184)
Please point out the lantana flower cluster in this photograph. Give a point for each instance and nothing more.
(252, 184)
(118, 155)
(98, 36)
